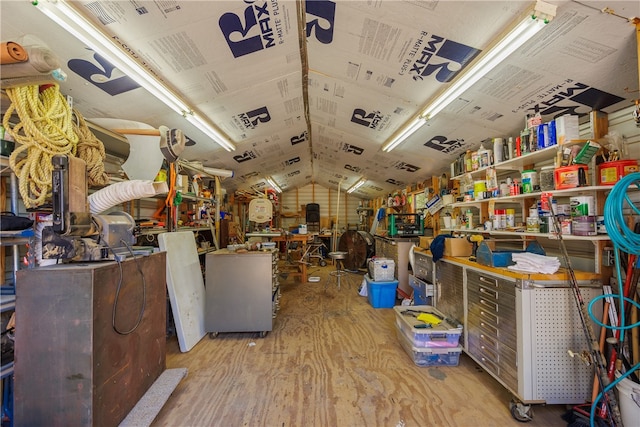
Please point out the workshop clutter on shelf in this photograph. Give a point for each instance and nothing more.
(558, 140)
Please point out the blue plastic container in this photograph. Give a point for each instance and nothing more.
(381, 294)
(422, 291)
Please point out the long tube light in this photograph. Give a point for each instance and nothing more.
(357, 185)
(273, 185)
(65, 15)
(520, 34)
(524, 30)
(405, 133)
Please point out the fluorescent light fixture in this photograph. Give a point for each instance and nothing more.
(534, 21)
(512, 41)
(404, 133)
(273, 185)
(357, 185)
(210, 131)
(65, 15)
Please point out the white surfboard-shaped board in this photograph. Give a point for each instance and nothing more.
(145, 157)
(185, 286)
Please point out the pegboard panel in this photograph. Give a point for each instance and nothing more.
(561, 378)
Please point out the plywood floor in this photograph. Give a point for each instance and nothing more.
(331, 360)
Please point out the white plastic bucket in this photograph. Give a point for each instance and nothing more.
(628, 400)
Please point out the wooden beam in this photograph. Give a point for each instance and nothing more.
(3, 207)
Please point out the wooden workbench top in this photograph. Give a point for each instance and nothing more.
(561, 275)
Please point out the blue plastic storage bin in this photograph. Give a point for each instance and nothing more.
(381, 294)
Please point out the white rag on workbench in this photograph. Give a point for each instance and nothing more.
(534, 263)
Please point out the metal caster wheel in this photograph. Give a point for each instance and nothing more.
(212, 335)
(323, 263)
(521, 412)
(263, 334)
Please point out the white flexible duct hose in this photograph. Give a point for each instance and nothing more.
(121, 192)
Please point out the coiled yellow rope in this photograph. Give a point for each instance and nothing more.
(91, 150)
(45, 129)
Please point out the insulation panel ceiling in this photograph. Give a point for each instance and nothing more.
(308, 91)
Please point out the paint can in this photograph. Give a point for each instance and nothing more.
(530, 181)
(582, 206)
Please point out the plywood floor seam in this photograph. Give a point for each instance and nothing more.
(331, 360)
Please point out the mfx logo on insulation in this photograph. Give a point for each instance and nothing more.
(322, 16)
(350, 148)
(406, 167)
(252, 32)
(439, 57)
(297, 139)
(569, 97)
(368, 120)
(251, 119)
(246, 156)
(444, 144)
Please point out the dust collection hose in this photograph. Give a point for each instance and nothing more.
(626, 240)
(121, 192)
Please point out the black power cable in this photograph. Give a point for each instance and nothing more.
(118, 288)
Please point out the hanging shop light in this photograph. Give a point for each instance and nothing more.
(357, 185)
(273, 185)
(541, 14)
(64, 14)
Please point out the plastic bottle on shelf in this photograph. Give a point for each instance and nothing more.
(468, 165)
(475, 160)
(525, 142)
(510, 148)
(484, 156)
(497, 150)
(504, 189)
(469, 217)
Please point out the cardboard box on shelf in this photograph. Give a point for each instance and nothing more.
(567, 128)
(425, 242)
(457, 247)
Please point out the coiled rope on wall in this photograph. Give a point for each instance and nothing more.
(91, 150)
(45, 130)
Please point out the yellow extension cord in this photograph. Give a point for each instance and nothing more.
(46, 129)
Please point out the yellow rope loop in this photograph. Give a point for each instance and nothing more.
(45, 130)
(91, 150)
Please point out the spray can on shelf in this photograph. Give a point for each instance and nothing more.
(511, 218)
